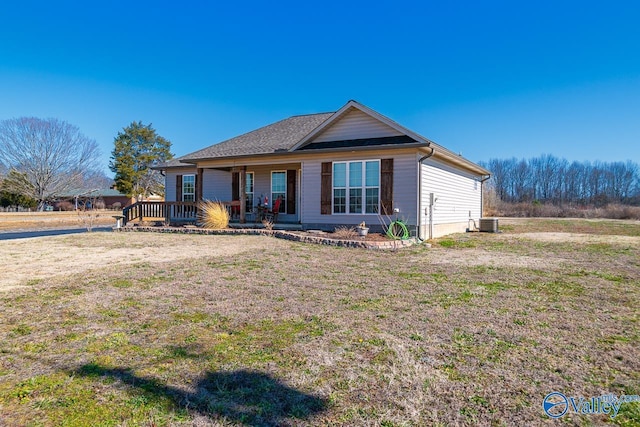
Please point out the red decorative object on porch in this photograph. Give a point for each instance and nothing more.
(273, 213)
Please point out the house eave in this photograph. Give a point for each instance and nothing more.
(445, 155)
(164, 168)
(308, 153)
(416, 144)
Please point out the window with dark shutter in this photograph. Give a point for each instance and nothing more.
(356, 187)
(189, 188)
(325, 189)
(386, 186)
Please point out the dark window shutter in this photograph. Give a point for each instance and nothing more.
(235, 186)
(199, 178)
(325, 188)
(178, 188)
(291, 191)
(386, 186)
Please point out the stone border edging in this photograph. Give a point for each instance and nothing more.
(280, 234)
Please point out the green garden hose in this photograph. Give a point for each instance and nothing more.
(398, 230)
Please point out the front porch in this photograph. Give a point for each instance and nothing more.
(248, 188)
(180, 213)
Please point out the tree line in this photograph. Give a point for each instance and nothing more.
(549, 179)
(44, 160)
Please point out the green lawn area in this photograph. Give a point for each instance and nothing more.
(476, 330)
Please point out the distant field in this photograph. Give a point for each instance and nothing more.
(38, 220)
(153, 329)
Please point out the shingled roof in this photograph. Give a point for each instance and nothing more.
(173, 163)
(279, 136)
(299, 133)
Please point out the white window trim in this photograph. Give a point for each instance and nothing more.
(253, 194)
(363, 187)
(194, 186)
(273, 199)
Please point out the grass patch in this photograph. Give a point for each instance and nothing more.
(311, 335)
(448, 300)
(456, 243)
(21, 330)
(122, 284)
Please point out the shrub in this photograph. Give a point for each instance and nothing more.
(347, 233)
(65, 206)
(214, 215)
(620, 212)
(268, 223)
(537, 209)
(116, 206)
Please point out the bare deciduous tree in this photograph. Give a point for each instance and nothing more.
(90, 209)
(552, 180)
(52, 155)
(97, 180)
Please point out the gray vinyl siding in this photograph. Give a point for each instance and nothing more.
(170, 183)
(356, 125)
(404, 190)
(458, 193)
(170, 187)
(216, 185)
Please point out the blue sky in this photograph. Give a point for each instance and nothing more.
(487, 79)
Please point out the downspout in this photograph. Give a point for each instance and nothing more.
(422, 159)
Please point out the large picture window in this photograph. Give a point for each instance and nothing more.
(188, 188)
(279, 189)
(356, 187)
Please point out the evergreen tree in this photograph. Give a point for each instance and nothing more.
(8, 196)
(136, 149)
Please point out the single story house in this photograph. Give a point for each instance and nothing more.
(109, 198)
(336, 169)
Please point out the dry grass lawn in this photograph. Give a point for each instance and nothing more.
(11, 221)
(152, 329)
(76, 254)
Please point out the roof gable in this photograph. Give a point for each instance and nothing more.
(354, 122)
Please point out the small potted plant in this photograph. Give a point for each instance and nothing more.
(362, 229)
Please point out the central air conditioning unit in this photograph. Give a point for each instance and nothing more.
(489, 225)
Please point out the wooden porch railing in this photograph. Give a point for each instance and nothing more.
(170, 212)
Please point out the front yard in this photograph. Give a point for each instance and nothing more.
(154, 329)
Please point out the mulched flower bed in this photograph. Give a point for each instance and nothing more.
(371, 241)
